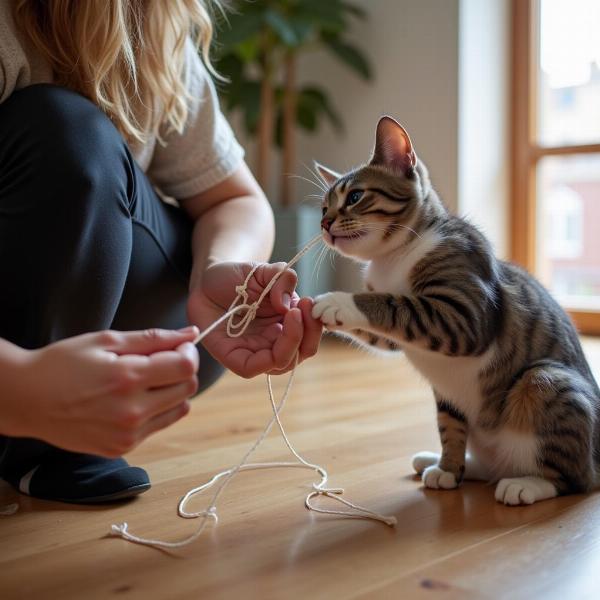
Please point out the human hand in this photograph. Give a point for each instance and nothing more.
(103, 393)
(282, 329)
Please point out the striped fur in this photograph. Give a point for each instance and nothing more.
(512, 385)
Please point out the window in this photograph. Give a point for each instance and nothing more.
(556, 150)
(562, 232)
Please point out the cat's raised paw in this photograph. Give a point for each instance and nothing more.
(435, 478)
(422, 460)
(524, 490)
(338, 310)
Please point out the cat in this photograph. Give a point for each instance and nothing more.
(516, 401)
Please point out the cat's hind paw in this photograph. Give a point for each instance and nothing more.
(524, 490)
(435, 478)
(338, 310)
(422, 460)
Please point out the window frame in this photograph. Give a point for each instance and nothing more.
(526, 153)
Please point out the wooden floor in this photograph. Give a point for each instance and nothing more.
(362, 418)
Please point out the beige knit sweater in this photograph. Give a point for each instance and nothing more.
(204, 155)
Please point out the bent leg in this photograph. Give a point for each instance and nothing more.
(66, 189)
(77, 241)
(156, 289)
(556, 405)
(452, 427)
(85, 242)
(65, 231)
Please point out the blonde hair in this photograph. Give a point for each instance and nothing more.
(127, 56)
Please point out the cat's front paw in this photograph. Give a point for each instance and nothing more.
(422, 460)
(337, 310)
(435, 478)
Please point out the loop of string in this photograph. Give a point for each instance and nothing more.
(236, 329)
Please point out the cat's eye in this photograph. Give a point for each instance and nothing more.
(353, 197)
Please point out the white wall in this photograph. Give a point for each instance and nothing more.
(413, 46)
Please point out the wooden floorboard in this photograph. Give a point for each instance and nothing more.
(362, 418)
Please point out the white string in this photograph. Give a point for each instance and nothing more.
(236, 329)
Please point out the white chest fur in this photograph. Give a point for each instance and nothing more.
(391, 273)
(455, 378)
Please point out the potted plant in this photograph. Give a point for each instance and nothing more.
(257, 50)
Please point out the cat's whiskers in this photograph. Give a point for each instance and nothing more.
(395, 226)
(332, 259)
(318, 176)
(318, 261)
(317, 185)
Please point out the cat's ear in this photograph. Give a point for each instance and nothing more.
(327, 175)
(393, 147)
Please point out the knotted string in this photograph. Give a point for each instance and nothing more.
(236, 329)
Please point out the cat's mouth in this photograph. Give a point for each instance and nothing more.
(343, 236)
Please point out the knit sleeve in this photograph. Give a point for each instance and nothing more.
(15, 70)
(207, 152)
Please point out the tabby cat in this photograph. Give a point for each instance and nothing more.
(516, 401)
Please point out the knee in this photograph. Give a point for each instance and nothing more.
(64, 134)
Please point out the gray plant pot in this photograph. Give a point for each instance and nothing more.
(295, 226)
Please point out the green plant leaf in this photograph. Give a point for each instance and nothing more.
(265, 29)
(354, 10)
(327, 15)
(248, 50)
(281, 26)
(303, 28)
(239, 28)
(312, 105)
(319, 98)
(307, 117)
(350, 55)
(230, 66)
(250, 105)
(243, 95)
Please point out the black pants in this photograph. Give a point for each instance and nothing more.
(85, 242)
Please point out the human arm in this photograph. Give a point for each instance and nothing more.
(233, 232)
(202, 167)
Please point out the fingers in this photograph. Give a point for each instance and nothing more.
(276, 358)
(163, 420)
(282, 294)
(165, 368)
(144, 342)
(313, 329)
(142, 413)
(287, 345)
(189, 352)
(159, 401)
(143, 405)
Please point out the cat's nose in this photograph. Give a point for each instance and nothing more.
(326, 223)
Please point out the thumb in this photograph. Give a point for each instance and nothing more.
(147, 341)
(282, 293)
